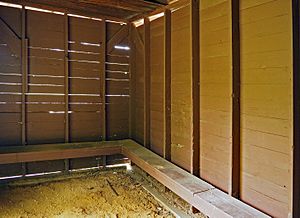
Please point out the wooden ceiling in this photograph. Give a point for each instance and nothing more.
(118, 9)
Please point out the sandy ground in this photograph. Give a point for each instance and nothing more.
(109, 194)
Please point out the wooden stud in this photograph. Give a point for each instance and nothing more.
(167, 85)
(195, 168)
(132, 82)
(296, 109)
(147, 82)
(24, 69)
(24, 62)
(235, 174)
(103, 77)
(66, 60)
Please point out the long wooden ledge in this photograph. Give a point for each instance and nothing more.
(205, 197)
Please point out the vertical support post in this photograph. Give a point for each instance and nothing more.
(296, 109)
(132, 82)
(66, 65)
(147, 82)
(235, 174)
(167, 85)
(24, 70)
(195, 168)
(24, 61)
(103, 77)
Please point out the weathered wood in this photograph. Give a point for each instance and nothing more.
(167, 85)
(117, 38)
(296, 109)
(147, 82)
(235, 174)
(195, 169)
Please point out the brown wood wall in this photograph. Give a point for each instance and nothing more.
(157, 85)
(82, 74)
(266, 97)
(266, 104)
(215, 92)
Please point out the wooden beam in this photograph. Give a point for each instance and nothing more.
(9, 36)
(74, 8)
(66, 60)
(167, 85)
(296, 109)
(132, 90)
(24, 71)
(117, 38)
(103, 78)
(140, 40)
(235, 174)
(195, 168)
(147, 82)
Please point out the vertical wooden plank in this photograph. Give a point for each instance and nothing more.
(24, 70)
(24, 63)
(66, 60)
(103, 76)
(132, 81)
(167, 85)
(66, 65)
(195, 168)
(296, 109)
(235, 174)
(147, 83)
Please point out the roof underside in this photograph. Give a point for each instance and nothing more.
(118, 9)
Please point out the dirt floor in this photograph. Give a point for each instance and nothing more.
(105, 194)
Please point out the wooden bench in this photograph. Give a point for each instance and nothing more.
(203, 196)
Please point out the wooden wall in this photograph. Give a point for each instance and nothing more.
(215, 92)
(181, 83)
(266, 104)
(265, 101)
(157, 85)
(71, 85)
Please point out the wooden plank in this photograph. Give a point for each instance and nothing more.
(235, 174)
(24, 74)
(132, 81)
(103, 53)
(147, 82)
(296, 109)
(203, 196)
(195, 170)
(66, 84)
(167, 85)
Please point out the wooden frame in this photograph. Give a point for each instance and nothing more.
(147, 82)
(235, 173)
(66, 60)
(103, 78)
(167, 85)
(296, 109)
(195, 168)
